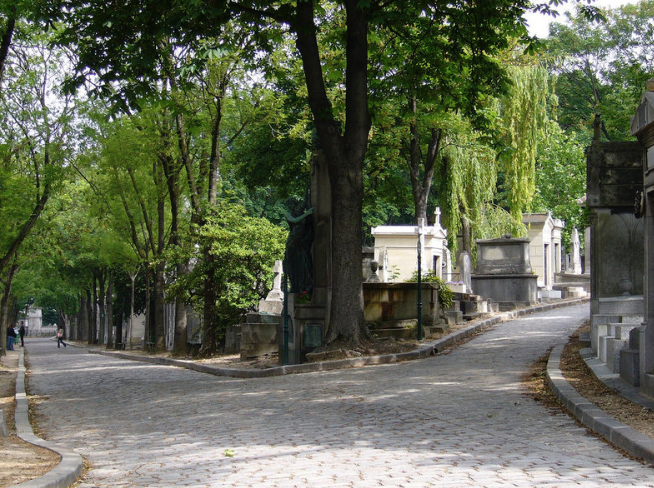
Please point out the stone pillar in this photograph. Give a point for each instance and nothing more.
(576, 254)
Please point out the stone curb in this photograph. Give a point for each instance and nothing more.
(423, 351)
(70, 466)
(617, 433)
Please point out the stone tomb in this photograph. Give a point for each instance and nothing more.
(544, 234)
(396, 250)
(258, 334)
(504, 272)
(640, 352)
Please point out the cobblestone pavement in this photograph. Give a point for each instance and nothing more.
(454, 420)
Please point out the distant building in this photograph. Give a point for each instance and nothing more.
(33, 321)
(396, 250)
(544, 246)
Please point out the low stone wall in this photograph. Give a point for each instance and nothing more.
(388, 305)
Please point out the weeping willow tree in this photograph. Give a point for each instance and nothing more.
(523, 114)
(483, 193)
(467, 179)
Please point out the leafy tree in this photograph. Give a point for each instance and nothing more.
(37, 135)
(122, 43)
(602, 68)
(561, 179)
(524, 114)
(242, 248)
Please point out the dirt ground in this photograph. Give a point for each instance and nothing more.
(22, 461)
(579, 375)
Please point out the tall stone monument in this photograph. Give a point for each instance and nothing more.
(308, 311)
(642, 126)
(575, 246)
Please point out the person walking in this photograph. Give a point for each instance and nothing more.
(11, 336)
(60, 338)
(21, 333)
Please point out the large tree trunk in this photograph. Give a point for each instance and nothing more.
(4, 306)
(181, 319)
(347, 323)
(102, 337)
(109, 318)
(345, 155)
(90, 314)
(5, 42)
(421, 180)
(209, 325)
(158, 306)
(82, 318)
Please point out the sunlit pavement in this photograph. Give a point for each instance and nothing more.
(454, 420)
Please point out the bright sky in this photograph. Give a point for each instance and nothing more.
(539, 24)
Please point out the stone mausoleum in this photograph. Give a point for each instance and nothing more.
(544, 234)
(641, 343)
(396, 250)
(614, 179)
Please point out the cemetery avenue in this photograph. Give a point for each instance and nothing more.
(452, 420)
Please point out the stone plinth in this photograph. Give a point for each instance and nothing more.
(503, 256)
(507, 288)
(504, 273)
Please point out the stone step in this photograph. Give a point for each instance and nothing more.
(613, 348)
(453, 317)
(634, 338)
(574, 292)
(478, 306)
(631, 304)
(624, 318)
(597, 331)
(476, 315)
(630, 366)
(647, 385)
(600, 326)
(621, 331)
(549, 294)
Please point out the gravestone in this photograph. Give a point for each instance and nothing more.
(465, 270)
(274, 301)
(258, 334)
(504, 273)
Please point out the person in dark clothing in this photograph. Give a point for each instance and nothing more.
(21, 333)
(11, 335)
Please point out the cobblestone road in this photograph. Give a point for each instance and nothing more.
(455, 420)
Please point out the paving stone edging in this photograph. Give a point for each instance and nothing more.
(70, 466)
(617, 433)
(424, 350)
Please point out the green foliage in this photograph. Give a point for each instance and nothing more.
(495, 222)
(561, 180)
(445, 294)
(467, 177)
(524, 122)
(602, 68)
(244, 249)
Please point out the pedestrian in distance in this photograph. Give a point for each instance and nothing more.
(21, 333)
(60, 338)
(11, 336)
